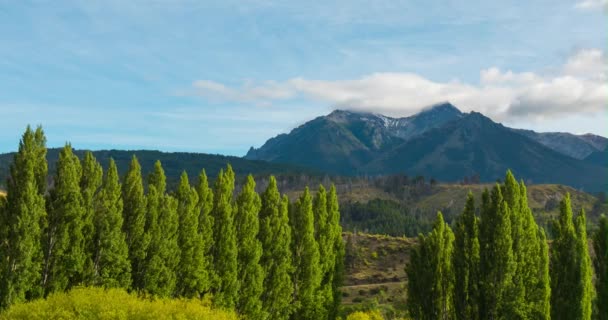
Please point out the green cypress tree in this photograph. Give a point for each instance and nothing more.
(205, 228)
(585, 285)
(190, 271)
(134, 213)
(497, 262)
(324, 238)
(225, 241)
(600, 261)
(250, 272)
(275, 236)
(64, 243)
(466, 263)
(339, 250)
(90, 182)
(306, 260)
(571, 290)
(164, 253)
(431, 275)
(24, 212)
(162, 256)
(111, 264)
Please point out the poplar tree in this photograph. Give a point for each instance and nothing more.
(162, 256)
(306, 260)
(134, 213)
(189, 271)
(250, 272)
(111, 264)
(64, 243)
(324, 238)
(497, 263)
(600, 261)
(205, 228)
(571, 290)
(225, 241)
(466, 263)
(90, 182)
(339, 250)
(24, 212)
(275, 236)
(431, 275)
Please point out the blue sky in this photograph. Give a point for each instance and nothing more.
(221, 76)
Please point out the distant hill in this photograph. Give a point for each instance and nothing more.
(440, 142)
(599, 158)
(174, 163)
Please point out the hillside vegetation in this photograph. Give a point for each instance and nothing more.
(102, 304)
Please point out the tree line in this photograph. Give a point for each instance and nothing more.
(496, 263)
(254, 253)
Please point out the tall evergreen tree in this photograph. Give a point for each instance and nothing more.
(162, 257)
(339, 250)
(585, 285)
(225, 241)
(164, 253)
(205, 228)
(250, 272)
(431, 275)
(466, 263)
(275, 236)
(64, 243)
(570, 274)
(111, 264)
(600, 261)
(90, 182)
(306, 260)
(134, 213)
(190, 271)
(497, 262)
(324, 238)
(24, 212)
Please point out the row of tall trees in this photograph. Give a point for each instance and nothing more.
(261, 255)
(496, 263)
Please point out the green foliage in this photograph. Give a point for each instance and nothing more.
(225, 254)
(206, 227)
(306, 259)
(111, 266)
(600, 261)
(64, 242)
(100, 304)
(275, 236)
(190, 274)
(90, 182)
(466, 263)
(338, 250)
(25, 209)
(250, 272)
(431, 275)
(497, 261)
(365, 315)
(134, 213)
(571, 288)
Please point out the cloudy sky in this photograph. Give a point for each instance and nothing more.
(221, 76)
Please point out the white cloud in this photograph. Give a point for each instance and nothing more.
(591, 4)
(579, 86)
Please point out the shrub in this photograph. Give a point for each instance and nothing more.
(367, 315)
(100, 304)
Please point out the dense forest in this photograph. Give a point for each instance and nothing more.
(259, 255)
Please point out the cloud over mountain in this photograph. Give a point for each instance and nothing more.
(578, 86)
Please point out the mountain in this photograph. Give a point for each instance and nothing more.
(441, 142)
(344, 141)
(575, 146)
(599, 158)
(174, 163)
